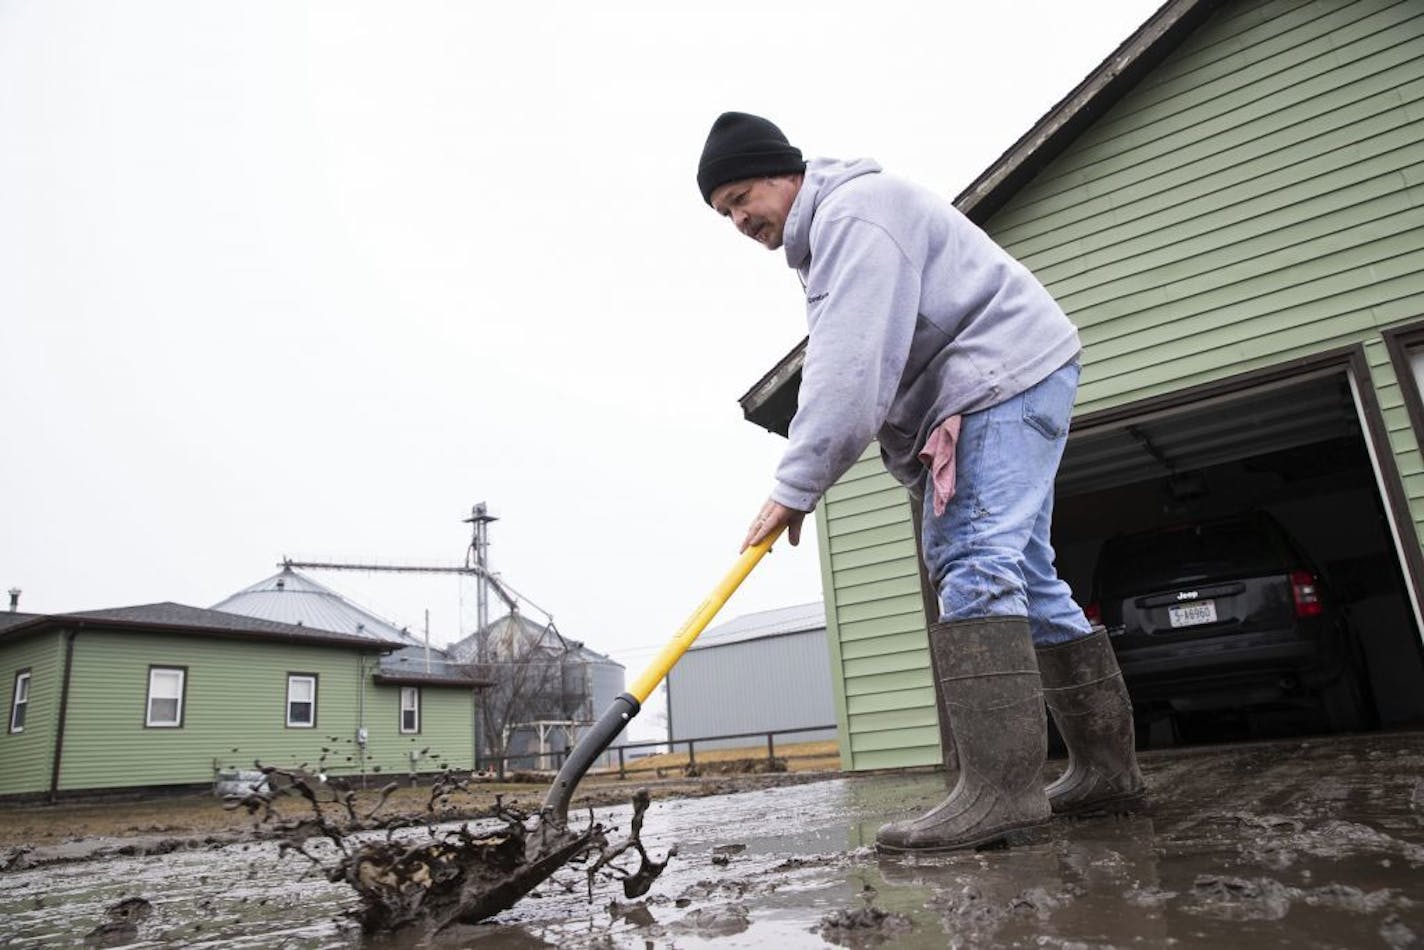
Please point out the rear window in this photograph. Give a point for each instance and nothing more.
(1166, 559)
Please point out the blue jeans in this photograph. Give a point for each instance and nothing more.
(989, 554)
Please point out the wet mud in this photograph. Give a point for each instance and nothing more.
(443, 875)
(1317, 843)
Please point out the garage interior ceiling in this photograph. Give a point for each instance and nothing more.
(1218, 430)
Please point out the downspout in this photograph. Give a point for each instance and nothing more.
(63, 711)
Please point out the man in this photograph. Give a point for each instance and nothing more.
(929, 337)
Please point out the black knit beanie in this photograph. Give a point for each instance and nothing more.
(744, 146)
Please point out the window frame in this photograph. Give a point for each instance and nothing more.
(26, 677)
(287, 707)
(182, 697)
(401, 711)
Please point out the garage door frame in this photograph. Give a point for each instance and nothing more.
(1352, 361)
(1398, 342)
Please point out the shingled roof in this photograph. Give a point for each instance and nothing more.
(15, 618)
(180, 618)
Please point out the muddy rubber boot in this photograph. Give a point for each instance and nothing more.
(1083, 688)
(948, 754)
(990, 682)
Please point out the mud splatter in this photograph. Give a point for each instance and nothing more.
(636, 883)
(406, 878)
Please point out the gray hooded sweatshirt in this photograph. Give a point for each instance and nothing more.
(915, 315)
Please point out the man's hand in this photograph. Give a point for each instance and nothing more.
(773, 516)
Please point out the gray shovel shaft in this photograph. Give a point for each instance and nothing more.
(589, 748)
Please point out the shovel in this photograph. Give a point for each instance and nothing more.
(550, 844)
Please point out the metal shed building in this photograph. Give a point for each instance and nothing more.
(1230, 209)
(762, 672)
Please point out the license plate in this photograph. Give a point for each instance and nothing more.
(1191, 615)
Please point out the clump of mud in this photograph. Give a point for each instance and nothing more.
(412, 871)
(121, 923)
(17, 859)
(863, 926)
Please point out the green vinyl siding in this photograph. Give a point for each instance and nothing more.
(234, 708)
(1257, 197)
(446, 735)
(26, 758)
(875, 621)
(234, 712)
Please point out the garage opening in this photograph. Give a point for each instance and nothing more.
(1239, 552)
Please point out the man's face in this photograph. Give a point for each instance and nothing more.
(758, 206)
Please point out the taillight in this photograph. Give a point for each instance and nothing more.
(1094, 613)
(1306, 594)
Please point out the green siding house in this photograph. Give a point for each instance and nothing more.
(1231, 209)
(170, 695)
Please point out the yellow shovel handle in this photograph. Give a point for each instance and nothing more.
(644, 685)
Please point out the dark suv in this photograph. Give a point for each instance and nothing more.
(1227, 614)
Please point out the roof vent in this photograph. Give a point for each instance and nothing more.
(14, 599)
(281, 583)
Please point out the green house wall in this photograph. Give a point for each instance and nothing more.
(1257, 198)
(26, 758)
(234, 713)
(446, 735)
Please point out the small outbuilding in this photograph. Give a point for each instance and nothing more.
(762, 672)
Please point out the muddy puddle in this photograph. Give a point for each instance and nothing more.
(1317, 844)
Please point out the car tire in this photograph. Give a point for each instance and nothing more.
(1347, 705)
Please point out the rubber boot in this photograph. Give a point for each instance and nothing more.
(930, 596)
(990, 682)
(949, 755)
(1083, 688)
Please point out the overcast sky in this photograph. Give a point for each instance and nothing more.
(311, 279)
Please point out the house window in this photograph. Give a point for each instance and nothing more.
(165, 696)
(410, 709)
(19, 701)
(301, 700)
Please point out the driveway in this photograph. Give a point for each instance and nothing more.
(1316, 843)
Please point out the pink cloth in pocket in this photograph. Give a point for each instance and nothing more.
(938, 457)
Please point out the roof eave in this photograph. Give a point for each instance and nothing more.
(771, 403)
(431, 679)
(1098, 92)
(61, 621)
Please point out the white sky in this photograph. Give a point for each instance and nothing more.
(314, 278)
